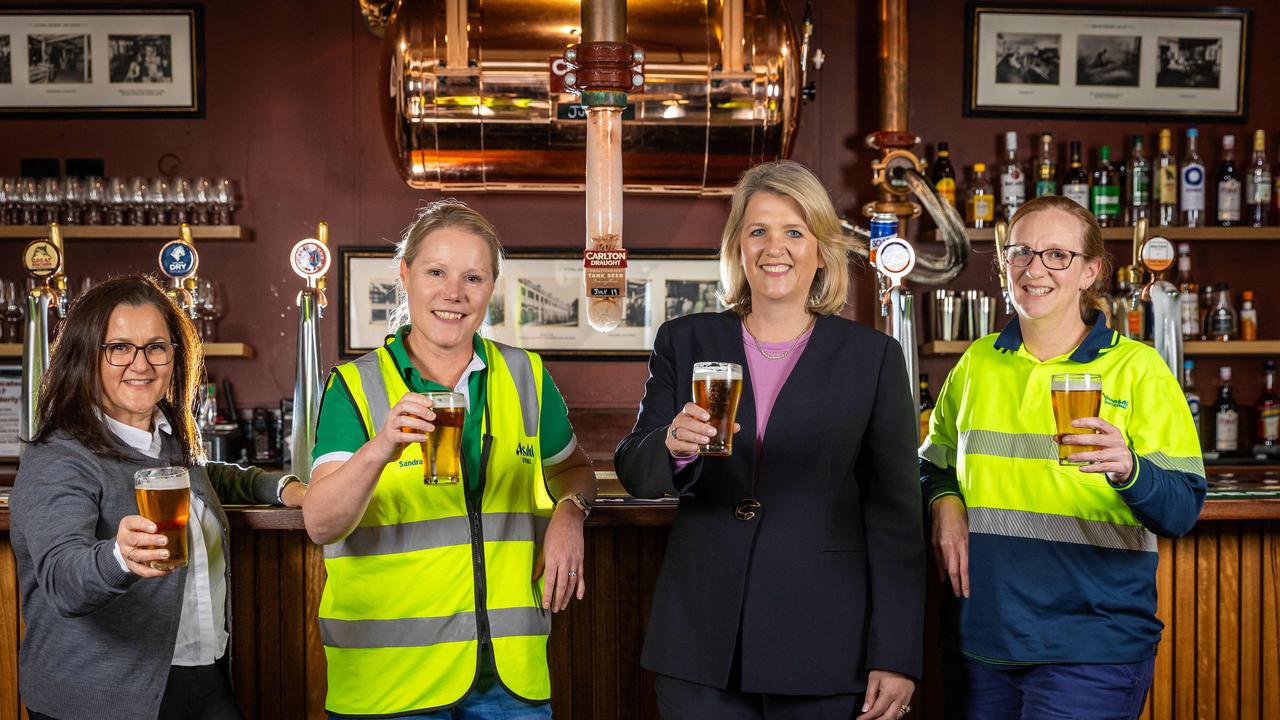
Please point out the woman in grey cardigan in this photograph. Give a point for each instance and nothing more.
(107, 635)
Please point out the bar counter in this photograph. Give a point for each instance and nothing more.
(1219, 591)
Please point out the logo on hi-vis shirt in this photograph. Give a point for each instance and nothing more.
(525, 452)
(1113, 402)
(410, 463)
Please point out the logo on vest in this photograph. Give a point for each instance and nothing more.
(1112, 402)
(525, 452)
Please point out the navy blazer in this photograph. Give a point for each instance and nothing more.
(827, 582)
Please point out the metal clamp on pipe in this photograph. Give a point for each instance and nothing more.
(310, 259)
(179, 262)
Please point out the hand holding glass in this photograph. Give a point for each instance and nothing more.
(442, 452)
(164, 498)
(717, 386)
(1075, 396)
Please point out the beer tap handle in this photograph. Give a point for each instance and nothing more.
(1139, 235)
(1002, 236)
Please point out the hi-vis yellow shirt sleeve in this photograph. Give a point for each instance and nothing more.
(938, 452)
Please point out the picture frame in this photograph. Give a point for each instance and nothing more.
(1122, 62)
(536, 302)
(10, 412)
(71, 60)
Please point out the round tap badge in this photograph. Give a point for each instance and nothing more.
(1157, 254)
(178, 259)
(896, 258)
(309, 258)
(41, 258)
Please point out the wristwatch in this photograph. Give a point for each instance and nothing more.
(284, 482)
(579, 500)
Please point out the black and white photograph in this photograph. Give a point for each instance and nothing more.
(635, 309)
(1190, 63)
(59, 59)
(543, 301)
(1111, 60)
(6, 66)
(1028, 58)
(141, 58)
(367, 280)
(685, 297)
(496, 315)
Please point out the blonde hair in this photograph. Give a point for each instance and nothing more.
(787, 178)
(1091, 298)
(447, 213)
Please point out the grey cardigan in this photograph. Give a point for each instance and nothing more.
(99, 640)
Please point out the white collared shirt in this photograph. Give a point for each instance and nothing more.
(202, 631)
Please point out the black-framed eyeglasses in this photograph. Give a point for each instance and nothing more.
(1053, 258)
(122, 354)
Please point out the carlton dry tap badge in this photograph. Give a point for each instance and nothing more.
(179, 259)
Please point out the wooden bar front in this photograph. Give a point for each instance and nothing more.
(1219, 591)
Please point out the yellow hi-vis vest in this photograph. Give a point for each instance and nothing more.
(427, 576)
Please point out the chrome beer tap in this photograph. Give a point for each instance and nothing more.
(179, 262)
(1156, 254)
(44, 260)
(310, 259)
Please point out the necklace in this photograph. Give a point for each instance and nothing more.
(777, 356)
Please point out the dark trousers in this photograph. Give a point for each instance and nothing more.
(683, 700)
(192, 693)
(1079, 691)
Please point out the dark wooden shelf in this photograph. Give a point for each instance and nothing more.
(1176, 234)
(124, 233)
(214, 349)
(1191, 348)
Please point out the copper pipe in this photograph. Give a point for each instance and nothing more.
(604, 21)
(893, 65)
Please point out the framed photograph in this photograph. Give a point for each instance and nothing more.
(10, 411)
(536, 303)
(1081, 60)
(97, 61)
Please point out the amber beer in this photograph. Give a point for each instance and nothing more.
(442, 452)
(1075, 396)
(163, 496)
(716, 389)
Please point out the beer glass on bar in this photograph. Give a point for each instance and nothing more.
(442, 452)
(1075, 396)
(164, 498)
(716, 389)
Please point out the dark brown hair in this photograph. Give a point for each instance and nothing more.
(71, 391)
(1091, 298)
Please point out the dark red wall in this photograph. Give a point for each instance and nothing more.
(293, 92)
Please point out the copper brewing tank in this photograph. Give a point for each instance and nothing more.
(721, 94)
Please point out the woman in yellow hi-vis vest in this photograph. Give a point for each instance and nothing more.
(438, 595)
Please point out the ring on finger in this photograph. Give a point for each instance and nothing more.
(573, 573)
(673, 433)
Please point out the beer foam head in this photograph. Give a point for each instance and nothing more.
(446, 400)
(165, 478)
(1076, 382)
(716, 371)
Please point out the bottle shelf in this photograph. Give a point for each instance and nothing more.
(1175, 234)
(1191, 348)
(124, 233)
(215, 349)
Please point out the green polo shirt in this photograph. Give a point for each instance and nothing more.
(340, 432)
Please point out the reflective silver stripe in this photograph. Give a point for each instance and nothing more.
(1026, 446)
(403, 632)
(428, 631)
(936, 454)
(521, 368)
(1060, 528)
(441, 532)
(375, 391)
(1193, 465)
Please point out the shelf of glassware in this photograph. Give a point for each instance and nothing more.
(123, 232)
(1192, 348)
(1176, 234)
(213, 349)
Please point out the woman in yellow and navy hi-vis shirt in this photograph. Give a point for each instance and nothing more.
(1053, 567)
(436, 598)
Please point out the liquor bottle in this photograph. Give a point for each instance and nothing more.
(1269, 408)
(1208, 294)
(1248, 317)
(1013, 183)
(1104, 196)
(1222, 316)
(943, 175)
(1188, 295)
(1257, 183)
(1075, 184)
(1046, 168)
(1191, 183)
(1166, 192)
(207, 417)
(1189, 391)
(1226, 416)
(926, 407)
(1228, 184)
(980, 203)
(1137, 181)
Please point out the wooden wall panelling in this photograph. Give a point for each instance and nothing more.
(293, 616)
(317, 684)
(10, 635)
(1250, 621)
(244, 620)
(1206, 637)
(604, 622)
(1160, 698)
(1184, 629)
(1228, 660)
(270, 678)
(1271, 621)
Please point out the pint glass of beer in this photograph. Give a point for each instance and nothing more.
(164, 498)
(716, 389)
(442, 452)
(1075, 396)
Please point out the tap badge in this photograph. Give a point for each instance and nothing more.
(178, 259)
(309, 258)
(41, 258)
